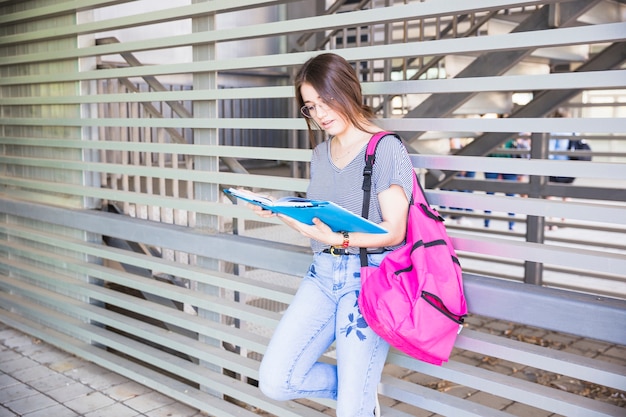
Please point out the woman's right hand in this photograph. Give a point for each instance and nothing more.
(260, 211)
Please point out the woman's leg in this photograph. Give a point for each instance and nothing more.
(361, 356)
(290, 367)
(324, 308)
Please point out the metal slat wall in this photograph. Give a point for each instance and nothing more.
(183, 294)
(41, 303)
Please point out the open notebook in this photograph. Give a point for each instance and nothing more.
(304, 210)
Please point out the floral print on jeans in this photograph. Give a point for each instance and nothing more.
(355, 323)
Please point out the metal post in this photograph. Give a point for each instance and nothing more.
(535, 225)
(203, 191)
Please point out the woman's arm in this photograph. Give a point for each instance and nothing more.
(394, 207)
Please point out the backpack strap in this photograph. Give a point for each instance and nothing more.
(370, 156)
(417, 197)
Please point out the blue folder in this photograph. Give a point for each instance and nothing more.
(304, 210)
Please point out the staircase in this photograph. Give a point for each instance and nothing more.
(466, 104)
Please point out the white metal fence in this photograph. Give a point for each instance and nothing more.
(167, 294)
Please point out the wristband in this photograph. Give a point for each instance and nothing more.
(346, 240)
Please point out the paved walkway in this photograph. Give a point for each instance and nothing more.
(39, 380)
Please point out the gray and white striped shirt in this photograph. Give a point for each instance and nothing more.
(343, 186)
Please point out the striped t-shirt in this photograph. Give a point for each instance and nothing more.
(343, 186)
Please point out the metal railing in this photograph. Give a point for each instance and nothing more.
(194, 326)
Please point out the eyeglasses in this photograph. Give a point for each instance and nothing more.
(310, 110)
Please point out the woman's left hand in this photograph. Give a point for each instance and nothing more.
(319, 231)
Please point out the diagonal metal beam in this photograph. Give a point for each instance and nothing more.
(543, 104)
(498, 62)
(176, 106)
(155, 84)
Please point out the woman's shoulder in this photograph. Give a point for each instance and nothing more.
(392, 142)
(388, 136)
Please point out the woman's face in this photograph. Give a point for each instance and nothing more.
(332, 121)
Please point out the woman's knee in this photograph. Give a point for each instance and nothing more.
(272, 383)
(270, 390)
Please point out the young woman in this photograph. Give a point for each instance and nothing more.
(325, 308)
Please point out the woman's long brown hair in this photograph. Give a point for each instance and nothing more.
(336, 82)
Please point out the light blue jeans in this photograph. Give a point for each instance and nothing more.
(324, 311)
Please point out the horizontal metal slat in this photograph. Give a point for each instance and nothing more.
(435, 401)
(303, 155)
(594, 212)
(59, 9)
(152, 17)
(540, 167)
(563, 363)
(179, 174)
(610, 32)
(121, 169)
(323, 22)
(443, 162)
(563, 81)
(545, 167)
(585, 80)
(539, 396)
(582, 125)
(564, 311)
(200, 300)
(539, 125)
(196, 122)
(153, 96)
(117, 195)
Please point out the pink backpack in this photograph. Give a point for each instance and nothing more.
(414, 299)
